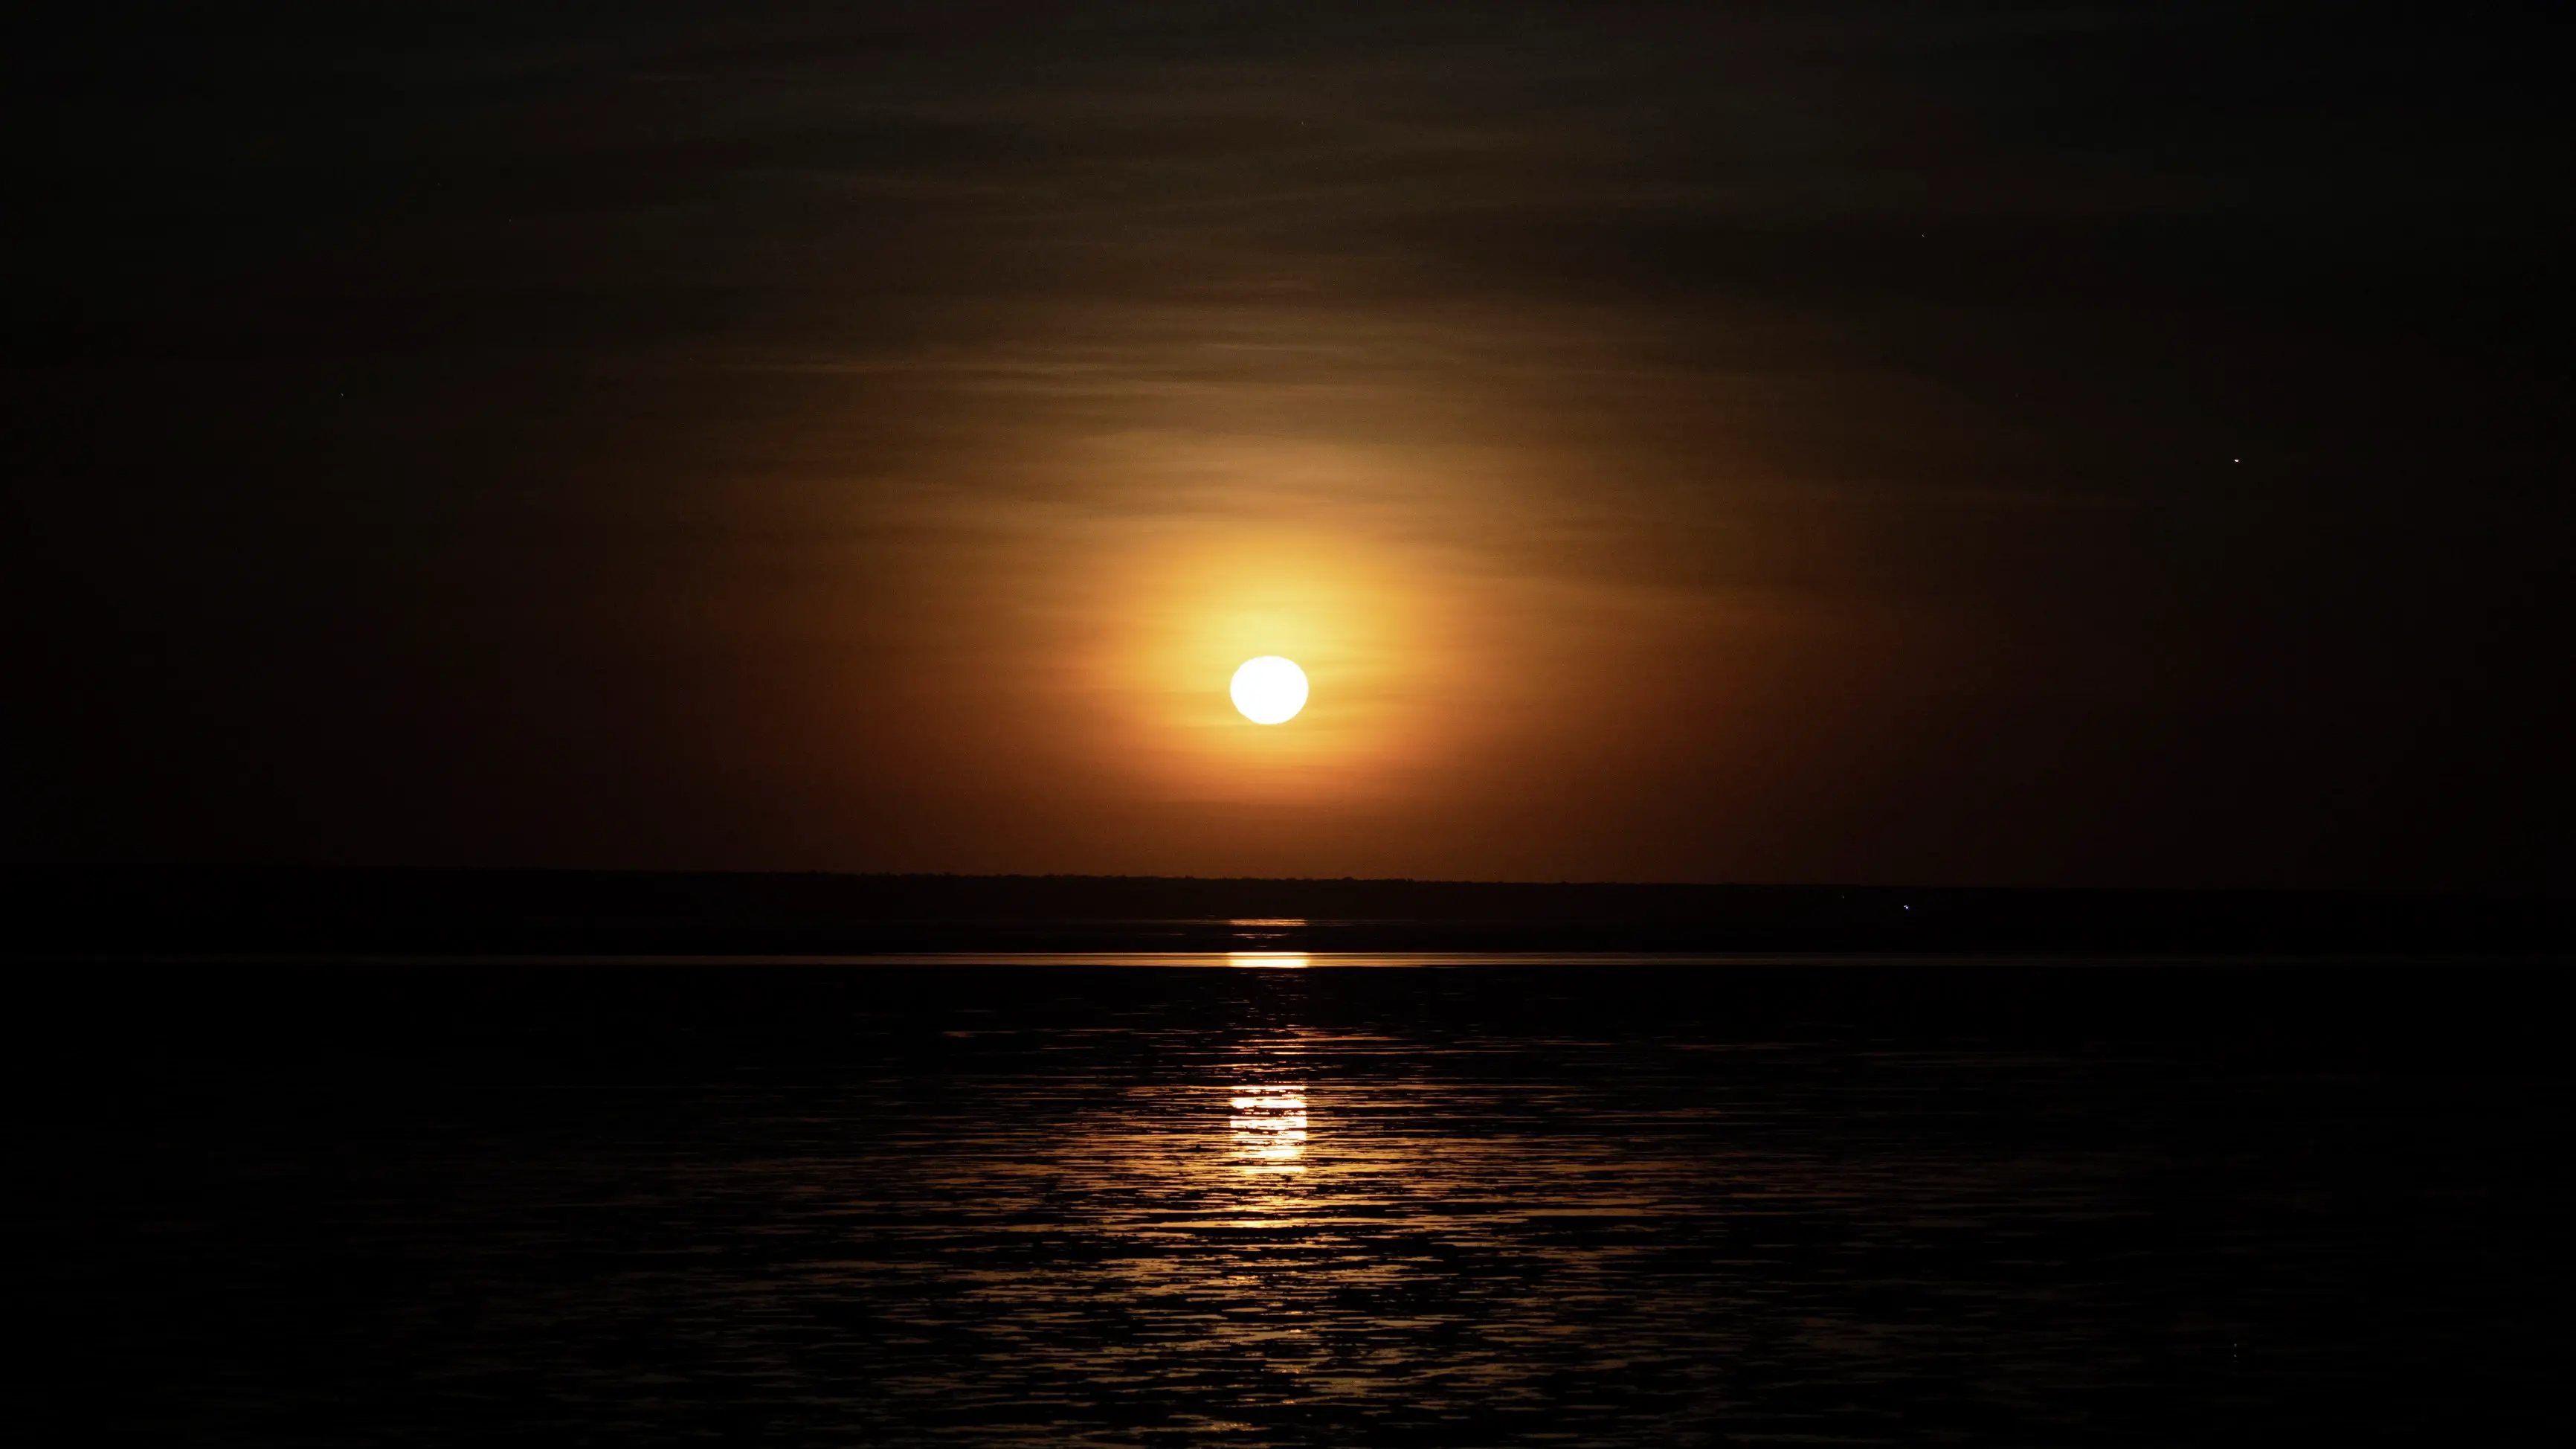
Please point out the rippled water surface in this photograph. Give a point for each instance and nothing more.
(1121, 1205)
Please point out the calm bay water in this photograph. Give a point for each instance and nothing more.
(1120, 1204)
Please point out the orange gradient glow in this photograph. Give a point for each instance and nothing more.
(1364, 623)
(1007, 645)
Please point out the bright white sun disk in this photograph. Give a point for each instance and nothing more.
(1269, 690)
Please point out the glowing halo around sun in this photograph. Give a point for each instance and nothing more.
(1269, 690)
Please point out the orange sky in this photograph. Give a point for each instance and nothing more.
(1679, 443)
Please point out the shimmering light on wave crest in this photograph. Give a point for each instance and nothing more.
(1269, 1126)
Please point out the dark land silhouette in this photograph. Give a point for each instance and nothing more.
(376, 911)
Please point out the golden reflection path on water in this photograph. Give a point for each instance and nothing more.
(1253, 1216)
(1270, 1209)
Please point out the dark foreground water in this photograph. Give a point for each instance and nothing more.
(1467, 1204)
